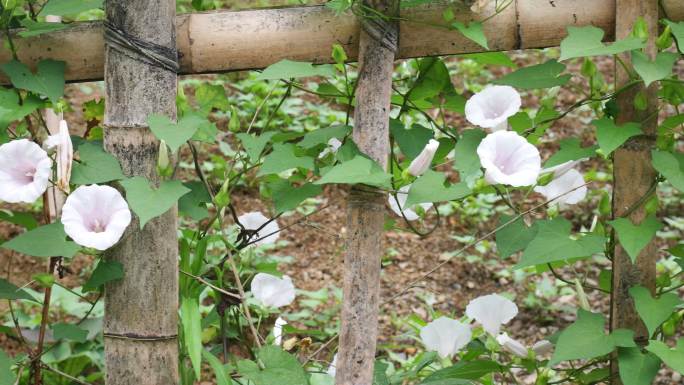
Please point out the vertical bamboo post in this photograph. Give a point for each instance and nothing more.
(365, 211)
(633, 174)
(141, 310)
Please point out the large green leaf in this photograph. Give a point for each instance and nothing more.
(552, 243)
(148, 202)
(637, 368)
(253, 144)
(544, 75)
(432, 80)
(323, 135)
(69, 7)
(106, 271)
(586, 41)
(678, 33)
(44, 241)
(671, 166)
(287, 197)
(279, 367)
(570, 149)
(430, 187)
(653, 311)
(514, 237)
(192, 332)
(358, 170)
(674, 358)
(463, 370)
(473, 31)
(220, 371)
(284, 157)
(611, 136)
(7, 377)
(634, 238)
(652, 71)
(48, 79)
(412, 141)
(10, 291)
(286, 69)
(194, 203)
(491, 58)
(586, 339)
(25, 220)
(174, 134)
(95, 165)
(71, 332)
(466, 160)
(11, 110)
(211, 96)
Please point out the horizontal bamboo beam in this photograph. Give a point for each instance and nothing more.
(222, 41)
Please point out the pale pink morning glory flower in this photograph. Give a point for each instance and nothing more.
(423, 161)
(398, 202)
(253, 221)
(61, 142)
(95, 216)
(511, 345)
(571, 180)
(278, 331)
(491, 107)
(25, 170)
(509, 159)
(273, 291)
(446, 336)
(492, 311)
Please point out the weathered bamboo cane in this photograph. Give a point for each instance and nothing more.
(141, 310)
(633, 174)
(366, 210)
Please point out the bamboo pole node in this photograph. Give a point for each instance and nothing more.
(141, 50)
(381, 29)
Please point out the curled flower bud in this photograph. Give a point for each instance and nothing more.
(511, 345)
(423, 161)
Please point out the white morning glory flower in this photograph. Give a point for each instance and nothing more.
(542, 347)
(511, 345)
(446, 336)
(568, 181)
(25, 170)
(491, 107)
(61, 142)
(273, 291)
(253, 221)
(334, 144)
(509, 159)
(397, 204)
(95, 216)
(423, 161)
(278, 331)
(491, 311)
(332, 369)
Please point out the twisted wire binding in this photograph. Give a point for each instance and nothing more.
(144, 51)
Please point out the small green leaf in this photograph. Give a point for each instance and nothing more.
(211, 96)
(288, 69)
(44, 279)
(192, 332)
(95, 165)
(412, 141)
(26, 220)
(279, 367)
(634, 238)
(193, 204)
(283, 157)
(570, 149)
(69, 7)
(323, 135)
(287, 197)
(652, 71)
(586, 42)
(206, 132)
(671, 166)
(611, 136)
(220, 371)
(35, 28)
(253, 144)
(673, 358)
(552, 243)
(653, 311)
(48, 79)
(148, 202)
(358, 170)
(44, 241)
(463, 370)
(106, 271)
(467, 162)
(545, 75)
(491, 58)
(7, 377)
(10, 291)
(514, 237)
(174, 134)
(433, 79)
(678, 33)
(64, 331)
(472, 31)
(637, 368)
(430, 187)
